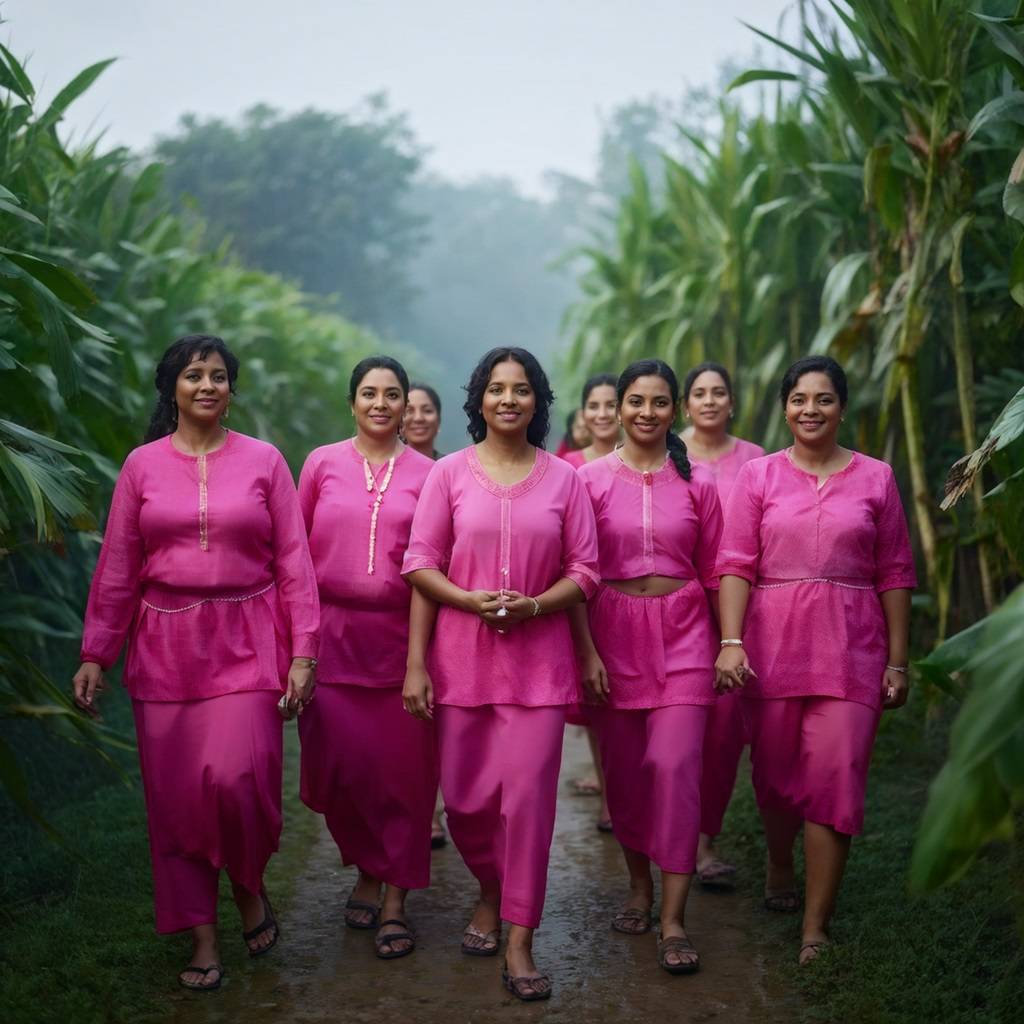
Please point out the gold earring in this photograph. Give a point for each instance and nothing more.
(227, 411)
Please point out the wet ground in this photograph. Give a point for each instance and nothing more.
(323, 971)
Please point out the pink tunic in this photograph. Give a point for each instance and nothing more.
(575, 458)
(364, 617)
(725, 468)
(205, 565)
(485, 536)
(817, 559)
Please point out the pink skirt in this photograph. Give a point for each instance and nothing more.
(652, 767)
(724, 740)
(499, 779)
(371, 769)
(658, 651)
(211, 775)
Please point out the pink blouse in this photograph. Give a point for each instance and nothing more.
(205, 570)
(575, 458)
(653, 524)
(364, 616)
(725, 468)
(817, 559)
(486, 536)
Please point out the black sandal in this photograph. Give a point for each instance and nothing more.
(361, 906)
(380, 941)
(269, 921)
(524, 988)
(204, 971)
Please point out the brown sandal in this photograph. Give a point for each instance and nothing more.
(478, 943)
(525, 988)
(782, 901)
(632, 921)
(816, 946)
(677, 944)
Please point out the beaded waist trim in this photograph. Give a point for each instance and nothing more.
(814, 579)
(208, 600)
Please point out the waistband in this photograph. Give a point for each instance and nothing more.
(685, 583)
(849, 582)
(166, 596)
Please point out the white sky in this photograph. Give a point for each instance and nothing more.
(509, 87)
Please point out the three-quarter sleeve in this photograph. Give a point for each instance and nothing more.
(114, 594)
(894, 562)
(709, 536)
(579, 540)
(739, 551)
(293, 567)
(430, 541)
(309, 489)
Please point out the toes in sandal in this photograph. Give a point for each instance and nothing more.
(632, 921)
(269, 921)
(677, 944)
(717, 875)
(201, 986)
(529, 990)
(816, 946)
(354, 907)
(478, 943)
(782, 901)
(382, 941)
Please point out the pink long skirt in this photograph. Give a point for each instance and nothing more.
(810, 758)
(499, 778)
(211, 775)
(723, 744)
(371, 769)
(652, 768)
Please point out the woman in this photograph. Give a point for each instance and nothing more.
(649, 651)
(422, 419)
(503, 543)
(597, 409)
(709, 402)
(366, 766)
(816, 574)
(575, 436)
(205, 571)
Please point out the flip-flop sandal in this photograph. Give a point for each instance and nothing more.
(781, 901)
(717, 875)
(488, 938)
(380, 941)
(361, 905)
(632, 921)
(677, 944)
(204, 971)
(523, 987)
(816, 946)
(269, 921)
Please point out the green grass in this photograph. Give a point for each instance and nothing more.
(953, 956)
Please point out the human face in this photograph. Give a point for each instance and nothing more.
(379, 404)
(709, 404)
(647, 410)
(813, 411)
(422, 421)
(599, 413)
(202, 392)
(580, 434)
(509, 401)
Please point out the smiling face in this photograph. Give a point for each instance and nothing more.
(202, 391)
(422, 421)
(709, 403)
(379, 404)
(599, 414)
(509, 400)
(647, 410)
(813, 410)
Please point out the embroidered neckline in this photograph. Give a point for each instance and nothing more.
(787, 453)
(540, 464)
(635, 476)
(228, 441)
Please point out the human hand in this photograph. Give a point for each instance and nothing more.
(86, 686)
(517, 608)
(301, 685)
(732, 670)
(418, 693)
(594, 677)
(895, 689)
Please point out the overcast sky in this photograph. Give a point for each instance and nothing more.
(509, 87)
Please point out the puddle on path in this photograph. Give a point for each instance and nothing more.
(323, 971)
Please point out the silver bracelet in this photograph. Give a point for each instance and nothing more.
(732, 642)
(897, 668)
(536, 607)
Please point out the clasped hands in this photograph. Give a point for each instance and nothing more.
(488, 603)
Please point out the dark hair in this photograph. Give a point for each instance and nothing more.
(364, 366)
(537, 431)
(431, 394)
(165, 414)
(708, 367)
(814, 364)
(657, 368)
(599, 380)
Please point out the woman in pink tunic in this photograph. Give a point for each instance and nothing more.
(503, 542)
(367, 766)
(816, 574)
(708, 402)
(648, 653)
(206, 572)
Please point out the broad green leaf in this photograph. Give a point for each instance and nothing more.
(996, 110)
(78, 85)
(13, 77)
(761, 75)
(17, 432)
(14, 208)
(59, 280)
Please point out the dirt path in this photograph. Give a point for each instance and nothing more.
(323, 971)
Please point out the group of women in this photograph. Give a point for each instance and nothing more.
(436, 620)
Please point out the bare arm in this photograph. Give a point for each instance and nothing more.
(592, 670)
(732, 667)
(418, 690)
(896, 608)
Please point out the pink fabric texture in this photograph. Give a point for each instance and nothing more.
(817, 559)
(652, 766)
(724, 740)
(205, 570)
(371, 769)
(485, 536)
(364, 617)
(653, 524)
(575, 458)
(499, 779)
(811, 757)
(724, 470)
(211, 775)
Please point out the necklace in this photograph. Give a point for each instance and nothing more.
(371, 486)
